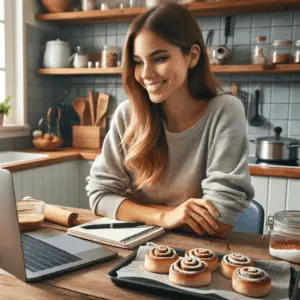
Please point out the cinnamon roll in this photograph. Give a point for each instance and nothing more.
(205, 255)
(190, 271)
(233, 261)
(159, 259)
(251, 281)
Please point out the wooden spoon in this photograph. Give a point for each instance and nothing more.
(79, 107)
(102, 105)
(234, 89)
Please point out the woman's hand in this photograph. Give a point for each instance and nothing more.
(199, 214)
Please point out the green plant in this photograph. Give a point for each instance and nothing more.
(4, 106)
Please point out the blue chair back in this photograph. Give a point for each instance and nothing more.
(251, 220)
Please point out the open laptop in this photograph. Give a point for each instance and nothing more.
(34, 255)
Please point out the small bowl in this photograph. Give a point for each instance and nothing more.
(30, 214)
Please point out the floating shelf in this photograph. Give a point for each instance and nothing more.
(81, 71)
(231, 7)
(226, 69)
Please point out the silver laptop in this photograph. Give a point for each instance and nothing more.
(45, 252)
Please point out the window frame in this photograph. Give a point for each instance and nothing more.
(15, 124)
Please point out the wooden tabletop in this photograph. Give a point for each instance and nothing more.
(92, 282)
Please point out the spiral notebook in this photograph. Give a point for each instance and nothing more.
(119, 237)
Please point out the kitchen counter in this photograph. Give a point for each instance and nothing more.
(69, 154)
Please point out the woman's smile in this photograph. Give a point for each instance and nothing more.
(155, 86)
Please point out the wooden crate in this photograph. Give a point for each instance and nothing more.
(88, 136)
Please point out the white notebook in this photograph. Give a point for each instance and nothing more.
(118, 237)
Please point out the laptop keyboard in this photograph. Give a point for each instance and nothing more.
(40, 256)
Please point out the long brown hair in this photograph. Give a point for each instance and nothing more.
(145, 137)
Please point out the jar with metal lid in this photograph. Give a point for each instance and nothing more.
(296, 56)
(281, 52)
(284, 230)
(260, 51)
(110, 56)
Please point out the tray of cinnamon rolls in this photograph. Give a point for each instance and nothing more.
(200, 273)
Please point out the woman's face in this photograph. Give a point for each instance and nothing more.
(160, 67)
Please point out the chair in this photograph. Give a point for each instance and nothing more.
(251, 220)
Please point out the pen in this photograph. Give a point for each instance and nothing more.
(114, 225)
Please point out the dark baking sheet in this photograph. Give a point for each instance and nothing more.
(148, 285)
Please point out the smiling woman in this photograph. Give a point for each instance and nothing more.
(176, 153)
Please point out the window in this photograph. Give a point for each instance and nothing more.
(12, 66)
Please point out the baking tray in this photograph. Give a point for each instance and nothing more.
(148, 285)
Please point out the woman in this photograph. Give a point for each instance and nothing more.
(176, 152)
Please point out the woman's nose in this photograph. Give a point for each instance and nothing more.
(147, 71)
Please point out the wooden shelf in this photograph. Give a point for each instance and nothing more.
(81, 71)
(226, 69)
(229, 7)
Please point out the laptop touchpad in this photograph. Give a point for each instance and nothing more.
(63, 241)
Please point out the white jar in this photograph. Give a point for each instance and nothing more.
(57, 54)
(151, 3)
(87, 5)
(285, 235)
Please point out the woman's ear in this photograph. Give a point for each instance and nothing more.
(195, 53)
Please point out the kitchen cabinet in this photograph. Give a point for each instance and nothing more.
(55, 184)
(84, 170)
(276, 193)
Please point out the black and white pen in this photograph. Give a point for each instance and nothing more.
(113, 225)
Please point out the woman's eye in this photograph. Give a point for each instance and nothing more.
(161, 59)
(137, 63)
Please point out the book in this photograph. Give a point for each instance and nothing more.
(118, 237)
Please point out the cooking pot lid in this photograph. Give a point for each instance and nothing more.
(57, 42)
(277, 139)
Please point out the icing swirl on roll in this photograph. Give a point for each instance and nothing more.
(162, 252)
(252, 274)
(189, 265)
(237, 259)
(202, 253)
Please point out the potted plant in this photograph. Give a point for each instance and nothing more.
(4, 109)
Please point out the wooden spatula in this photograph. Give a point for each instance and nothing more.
(102, 105)
(79, 107)
(92, 107)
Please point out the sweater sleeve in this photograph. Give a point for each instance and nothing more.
(228, 182)
(108, 180)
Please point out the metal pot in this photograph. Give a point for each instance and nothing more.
(277, 148)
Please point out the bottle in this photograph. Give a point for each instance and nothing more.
(284, 230)
(260, 51)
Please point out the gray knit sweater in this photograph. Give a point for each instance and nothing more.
(208, 161)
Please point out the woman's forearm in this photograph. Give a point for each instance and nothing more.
(153, 214)
(150, 214)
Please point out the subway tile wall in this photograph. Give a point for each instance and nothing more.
(41, 90)
(280, 95)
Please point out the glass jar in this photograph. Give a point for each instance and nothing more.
(110, 56)
(281, 52)
(260, 51)
(284, 229)
(296, 56)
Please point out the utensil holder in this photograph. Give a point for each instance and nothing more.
(88, 136)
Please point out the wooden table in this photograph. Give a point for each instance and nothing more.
(92, 282)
